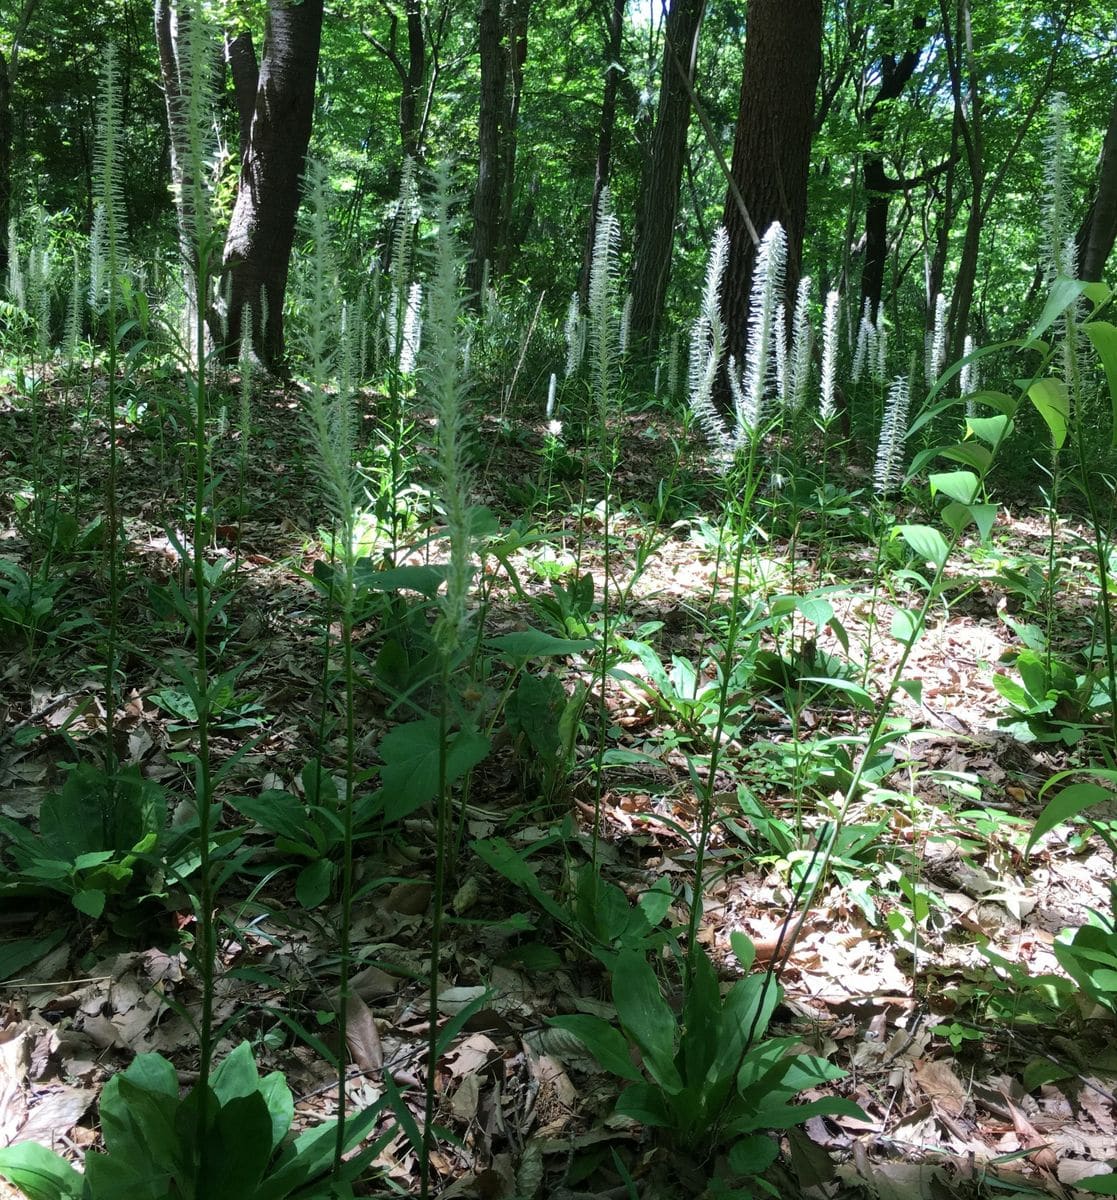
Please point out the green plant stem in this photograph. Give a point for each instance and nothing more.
(706, 791)
(204, 780)
(344, 935)
(438, 900)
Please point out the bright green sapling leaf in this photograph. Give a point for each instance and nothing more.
(926, 541)
(1052, 402)
(1103, 337)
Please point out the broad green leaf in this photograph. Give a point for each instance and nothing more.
(753, 1154)
(276, 811)
(853, 690)
(926, 541)
(412, 763)
(958, 485)
(39, 1173)
(314, 882)
(604, 1041)
(1064, 292)
(914, 688)
(647, 1017)
(1100, 1185)
(816, 610)
(534, 643)
(1053, 404)
(424, 580)
(905, 625)
(972, 454)
(90, 901)
(646, 1104)
(1103, 337)
(991, 430)
(783, 1116)
(1068, 803)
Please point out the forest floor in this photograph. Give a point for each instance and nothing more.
(917, 968)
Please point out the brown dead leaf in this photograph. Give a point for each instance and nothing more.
(941, 1086)
(361, 1034)
(1030, 1139)
(409, 899)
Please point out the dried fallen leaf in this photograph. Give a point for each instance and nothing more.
(361, 1035)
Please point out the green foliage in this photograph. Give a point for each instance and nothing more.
(151, 1149)
(708, 1074)
(97, 841)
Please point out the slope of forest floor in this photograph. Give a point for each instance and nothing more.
(916, 968)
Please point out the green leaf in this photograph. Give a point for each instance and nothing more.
(276, 811)
(926, 541)
(412, 763)
(1100, 1185)
(424, 580)
(39, 1173)
(753, 1154)
(991, 430)
(647, 1017)
(1052, 402)
(646, 1104)
(534, 643)
(905, 625)
(1064, 292)
(816, 610)
(604, 1041)
(18, 953)
(314, 883)
(958, 485)
(1103, 337)
(1068, 803)
(90, 901)
(970, 453)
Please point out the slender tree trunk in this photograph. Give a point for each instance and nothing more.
(894, 75)
(262, 229)
(5, 166)
(8, 67)
(604, 137)
(411, 93)
(658, 204)
(771, 152)
(968, 121)
(1099, 230)
(517, 13)
(487, 198)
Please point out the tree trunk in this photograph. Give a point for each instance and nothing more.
(894, 75)
(5, 166)
(658, 204)
(771, 152)
(262, 229)
(604, 137)
(517, 13)
(7, 127)
(1099, 230)
(487, 199)
(240, 54)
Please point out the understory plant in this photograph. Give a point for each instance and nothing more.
(150, 1153)
(708, 1074)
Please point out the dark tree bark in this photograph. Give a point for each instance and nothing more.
(658, 204)
(517, 13)
(487, 198)
(771, 152)
(262, 229)
(1099, 230)
(604, 137)
(879, 186)
(240, 54)
(411, 69)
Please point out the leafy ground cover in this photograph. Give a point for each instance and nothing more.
(919, 949)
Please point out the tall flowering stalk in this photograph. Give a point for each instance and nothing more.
(889, 470)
